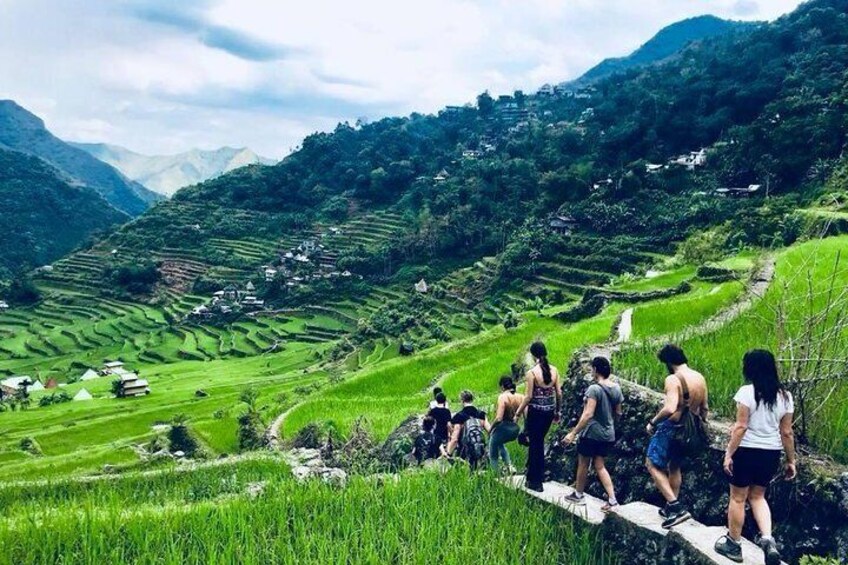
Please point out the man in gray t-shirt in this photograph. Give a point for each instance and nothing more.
(596, 430)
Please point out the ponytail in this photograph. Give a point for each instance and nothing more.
(546, 370)
(540, 352)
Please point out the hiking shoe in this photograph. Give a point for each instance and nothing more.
(770, 551)
(576, 499)
(674, 516)
(535, 487)
(663, 512)
(727, 547)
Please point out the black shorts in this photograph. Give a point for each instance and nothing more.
(593, 448)
(754, 466)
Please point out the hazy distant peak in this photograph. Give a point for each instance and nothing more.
(166, 174)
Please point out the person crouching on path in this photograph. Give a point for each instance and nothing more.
(763, 429)
(663, 460)
(467, 432)
(505, 428)
(543, 403)
(596, 430)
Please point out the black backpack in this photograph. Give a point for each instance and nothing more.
(472, 441)
(690, 436)
(426, 447)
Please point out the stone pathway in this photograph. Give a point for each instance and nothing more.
(639, 527)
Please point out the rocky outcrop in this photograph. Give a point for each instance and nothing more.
(308, 464)
(810, 513)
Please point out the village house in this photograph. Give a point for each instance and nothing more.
(421, 287)
(253, 302)
(563, 224)
(131, 385)
(231, 293)
(602, 183)
(250, 287)
(83, 395)
(442, 176)
(45, 269)
(12, 385)
(113, 368)
(471, 154)
(653, 168)
(546, 90)
(692, 160)
(270, 274)
(739, 192)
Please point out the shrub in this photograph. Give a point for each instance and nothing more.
(182, 438)
(29, 445)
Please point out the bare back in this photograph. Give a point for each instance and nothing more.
(698, 395)
(508, 405)
(539, 377)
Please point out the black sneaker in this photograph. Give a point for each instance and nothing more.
(535, 487)
(675, 515)
(770, 552)
(576, 499)
(729, 548)
(663, 512)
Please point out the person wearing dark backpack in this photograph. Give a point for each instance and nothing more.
(468, 434)
(762, 432)
(426, 445)
(596, 432)
(676, 431)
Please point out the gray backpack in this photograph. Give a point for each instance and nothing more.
(472, 441)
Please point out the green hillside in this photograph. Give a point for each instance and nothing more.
(42, 217)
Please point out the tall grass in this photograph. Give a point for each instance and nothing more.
(421, 518)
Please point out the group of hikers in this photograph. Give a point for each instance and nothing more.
(761, 434)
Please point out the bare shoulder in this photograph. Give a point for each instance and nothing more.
(671, 382)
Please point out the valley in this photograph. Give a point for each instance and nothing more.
(238, 372)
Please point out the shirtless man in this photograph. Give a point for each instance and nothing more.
(663, 463)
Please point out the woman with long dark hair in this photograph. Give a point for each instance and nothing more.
(543, 402)
(763, 430)
(505, 427)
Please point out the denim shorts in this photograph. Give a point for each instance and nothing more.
(661, 450)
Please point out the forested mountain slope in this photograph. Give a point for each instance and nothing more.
(42, 217)
(769, 104)
(22, 131)
(668, 42)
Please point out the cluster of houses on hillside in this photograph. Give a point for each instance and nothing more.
(131, 384)
(309, 262)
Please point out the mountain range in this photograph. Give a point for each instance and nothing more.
(24, 132)
(165, 174)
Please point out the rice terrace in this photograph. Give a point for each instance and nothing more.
(521, 329)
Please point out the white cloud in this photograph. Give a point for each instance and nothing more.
(159, 76)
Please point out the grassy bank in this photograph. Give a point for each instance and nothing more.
(421, 518)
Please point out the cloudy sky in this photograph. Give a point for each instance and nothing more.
(162, 76)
